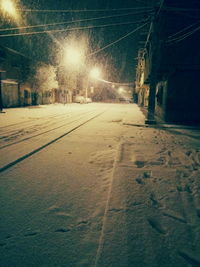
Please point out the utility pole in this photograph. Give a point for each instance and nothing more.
(155, 60)
(153, 75)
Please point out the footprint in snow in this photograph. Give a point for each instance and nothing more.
(31, 233)
(198, 212)
(174, 216)
(190, 257)
(54, 208)
(147, 174)
(185, 188)
(155, 224)
(154, 200)
(83, 223)
(139, 163)
(62, 230)
(63, 215)
(140, 181)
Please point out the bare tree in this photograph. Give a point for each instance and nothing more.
(45, 78)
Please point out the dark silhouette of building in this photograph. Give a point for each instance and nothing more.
(15, 91)
(169, 64)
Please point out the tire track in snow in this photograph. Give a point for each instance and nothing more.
(11, 164)
(34, 119)
(104, 221)
(50, 130)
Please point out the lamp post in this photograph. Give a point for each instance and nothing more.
(73, 60)
(94, 74)
(73, 56)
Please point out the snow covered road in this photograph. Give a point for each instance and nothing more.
(109, 193)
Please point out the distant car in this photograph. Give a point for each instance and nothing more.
(88, 100)
(82, 99)
(125, 100)
(79, 99)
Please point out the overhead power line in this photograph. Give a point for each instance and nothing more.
(149, 34)
(83, 10)
(182, 37)
(74, 21)
(118, 40)
(182, 9)
(115, 83)
(184, 29)
(160, 7)
(70, 29)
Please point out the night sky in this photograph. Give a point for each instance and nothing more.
(118, 60)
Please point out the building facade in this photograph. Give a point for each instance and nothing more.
(15, 69)
(169, 65)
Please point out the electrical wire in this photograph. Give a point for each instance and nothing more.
(70, 29)
(70, 22)
(82, 10)
(151, 24)
(114, 83)
(188, 15)
(181, 9)
(118, 40)
(184, 29)
(184, 36)
(160, 7)
(148, 35)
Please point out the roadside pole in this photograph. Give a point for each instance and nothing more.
(86, 89)
(2, 75)
(153, 75)
(19, 95)
(154, 66)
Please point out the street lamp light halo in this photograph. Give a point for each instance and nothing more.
(8, 7)
(95, 73)
(73, 55)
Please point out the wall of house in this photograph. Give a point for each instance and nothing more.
(143, 95)
(25, 95)
(10, 96)
(16, 66)
(177, 100)
(62, 96)
(183, 97)
(48, 97)
(160, 103)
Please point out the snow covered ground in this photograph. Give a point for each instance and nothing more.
(111, 193)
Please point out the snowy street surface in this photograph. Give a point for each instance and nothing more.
(92, 185)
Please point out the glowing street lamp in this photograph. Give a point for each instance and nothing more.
(121, 90)
(73, 56)
(8, 7)
(95, 73)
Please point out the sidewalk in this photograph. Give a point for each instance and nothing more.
(153, 213)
